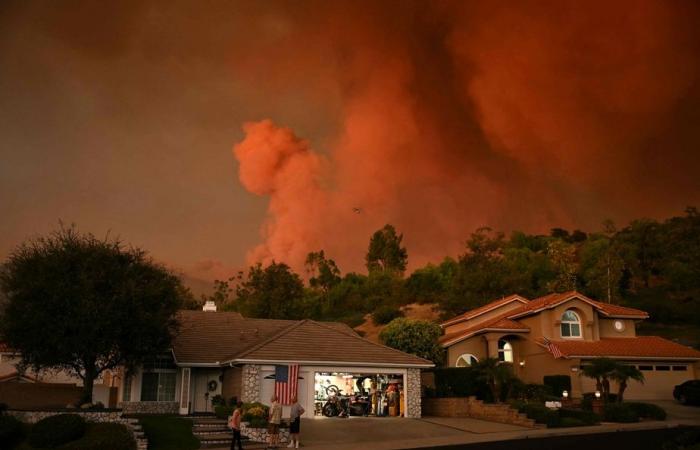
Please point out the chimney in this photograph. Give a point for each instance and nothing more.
(209, 306)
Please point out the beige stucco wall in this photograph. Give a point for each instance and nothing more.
(475, 345)
(607, 328)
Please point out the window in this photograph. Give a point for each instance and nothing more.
(680, 368)
(126, 394)
(646, 368)
(466, 360)
(505, 351)
(570, 325)
(663, 368)
(158, 387)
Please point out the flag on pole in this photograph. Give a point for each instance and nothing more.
(553, 348)
(286, 383)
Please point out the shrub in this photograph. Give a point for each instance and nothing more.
(534, 392)
(460, 382)
(56, 430)
(218, 400)
(587, 401)
(557, 384)
(255, 414)
(3, 408)
(100, 436)
(10, 428)
(223, 412)
(585, 417)
(620, 412)
(647, 410)
(539, 413)
(571, 422)
(385, 314)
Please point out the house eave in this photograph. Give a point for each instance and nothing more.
(327, 363)
(483, 330)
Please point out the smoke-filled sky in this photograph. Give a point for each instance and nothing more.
(218, 133)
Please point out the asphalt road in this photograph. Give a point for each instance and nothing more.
(637, 440)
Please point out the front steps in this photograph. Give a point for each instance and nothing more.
(214, 433)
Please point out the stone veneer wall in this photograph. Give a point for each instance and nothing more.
(472, 407)
(90, 416)
(149, 407)
(251, 383)
(413, 389)
(260, 434)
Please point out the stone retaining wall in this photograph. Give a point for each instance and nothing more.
(149, 407)
(471, 407)
(260, 434)
(90, 416)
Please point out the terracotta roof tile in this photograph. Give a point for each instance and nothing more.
(485, 308)
(551, 300)
(635, 347)
(498, 323)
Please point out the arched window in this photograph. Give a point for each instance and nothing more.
(466, 360)
(570, 325)
(505, 351)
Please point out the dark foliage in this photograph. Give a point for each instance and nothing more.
(56, 430)
(460, 382)
(620, 412)
(10, 429)
(647, 410)
(385, 314)
(101, 436)
(558, 383)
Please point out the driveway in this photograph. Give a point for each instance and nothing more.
(676, 412)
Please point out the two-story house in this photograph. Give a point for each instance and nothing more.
(556, 335)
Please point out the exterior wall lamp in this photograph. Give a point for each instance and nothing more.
(565, 394)
(597, 394)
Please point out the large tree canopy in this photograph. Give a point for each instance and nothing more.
(273, 292)
(418, 337)
(386, 252)
(85, 305)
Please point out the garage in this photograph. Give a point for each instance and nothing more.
(659, 379)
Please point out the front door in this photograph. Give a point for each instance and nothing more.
(205, 385)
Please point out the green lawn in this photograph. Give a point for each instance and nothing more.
(168, 433)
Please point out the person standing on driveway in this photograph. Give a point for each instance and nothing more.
(234, 422)
(295, 423)
(273, 428)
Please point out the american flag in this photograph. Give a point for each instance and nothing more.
(553, 348)
(286, 383)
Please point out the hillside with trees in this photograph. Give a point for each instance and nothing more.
(647, 264)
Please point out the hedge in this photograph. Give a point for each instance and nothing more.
(101, 436)
(10, 428)
(586, 417)
(647, 410)
(620, 412)
(459, 382)
(554, 418)
(56, 430)
(557, 383)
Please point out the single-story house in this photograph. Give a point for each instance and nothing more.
(224, 353)
(559, 333)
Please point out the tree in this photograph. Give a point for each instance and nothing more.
(273, 292)
(622, 374)
(323, 273)
(601, 370)
(417, 337)
(385, 252)
(86, 305)
(563, 258)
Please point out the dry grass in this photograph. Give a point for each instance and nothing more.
(413, 311)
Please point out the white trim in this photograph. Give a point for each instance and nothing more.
(328, 363)
(462, 319)
(649, 358)
(488, 330)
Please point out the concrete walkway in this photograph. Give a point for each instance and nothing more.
(369, 433)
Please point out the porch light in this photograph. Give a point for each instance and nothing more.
(565, 394)
(522, 363)
(597, 394)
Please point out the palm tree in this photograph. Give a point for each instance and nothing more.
(622, 374)
(600, 369)
(495, 374)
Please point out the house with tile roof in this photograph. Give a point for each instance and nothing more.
(226, 354)
(558, 333)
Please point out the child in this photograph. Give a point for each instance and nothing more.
(295, 423)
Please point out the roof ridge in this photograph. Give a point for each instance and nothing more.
(357, 336)
(264, 342)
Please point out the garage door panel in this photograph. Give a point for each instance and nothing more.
(658, 384)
